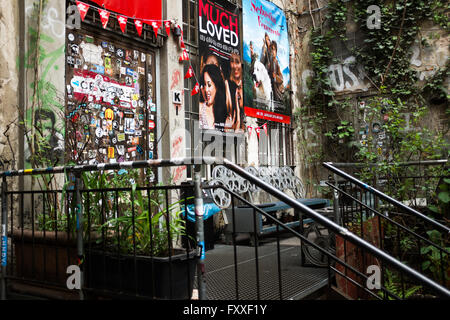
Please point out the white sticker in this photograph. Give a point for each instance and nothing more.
(92, 53)
(99, 132)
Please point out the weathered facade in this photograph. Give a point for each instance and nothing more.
(38, 54)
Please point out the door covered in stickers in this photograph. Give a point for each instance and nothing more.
(111, 109)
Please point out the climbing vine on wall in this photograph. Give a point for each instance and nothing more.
(40, 121)
(385, 56)
(320, 101)
(40, 118)
(386, 52)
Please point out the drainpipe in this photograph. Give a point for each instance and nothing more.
(79, 228)
(4, 240)
(336, 208)
(21, 91)
(198, 202)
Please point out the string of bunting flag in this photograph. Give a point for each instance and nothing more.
(83, 8)
(257, 130)
(190, 72)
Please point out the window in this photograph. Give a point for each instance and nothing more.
(190, 22)
(275, 148)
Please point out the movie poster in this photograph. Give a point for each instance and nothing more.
(266, 61)
(221, 92)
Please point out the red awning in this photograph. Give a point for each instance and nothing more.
(143, 10)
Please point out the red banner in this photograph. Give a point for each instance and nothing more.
(184, 56)
(257, 130)
(267, 115)
(189, 73)
(138, 9)
(167, 25)
(156, 25)
(139, 25)
(122, 22)
(83, 8)
(195, 90)
(104, 16)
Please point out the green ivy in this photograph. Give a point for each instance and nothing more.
(386, 57)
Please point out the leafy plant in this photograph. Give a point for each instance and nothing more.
(343, 130)
(385, 57)
(435, 258)
(147, 233)
(393, 285)
(443, 198)
(131, 219)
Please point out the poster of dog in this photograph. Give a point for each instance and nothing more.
(266, 61)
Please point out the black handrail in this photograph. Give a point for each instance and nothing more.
(302, 237)
(343, 232)
(400, 164)
(329, 166)
(388, 219)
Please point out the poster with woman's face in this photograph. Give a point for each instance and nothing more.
(221, 91)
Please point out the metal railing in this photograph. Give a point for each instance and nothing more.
(117, 241)
(334, 262)
(407, 234)
(414, 183)
(111, 235)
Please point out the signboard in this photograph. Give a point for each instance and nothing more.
(266, 61)
(221, 92)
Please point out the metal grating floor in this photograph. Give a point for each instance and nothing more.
(297, 282)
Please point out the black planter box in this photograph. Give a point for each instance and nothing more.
(156, 277)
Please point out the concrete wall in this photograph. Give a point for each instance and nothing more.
(349, 82)
(171, 80)
(345, 74)
(44, 87)
(9, 82)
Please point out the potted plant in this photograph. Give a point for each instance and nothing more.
(46, 246)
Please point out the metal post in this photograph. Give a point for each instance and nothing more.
(79, 226)
(198, 202)
(337, 213)
(4, 241)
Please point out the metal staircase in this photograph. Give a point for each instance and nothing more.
(406, 234)
(368, 253)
